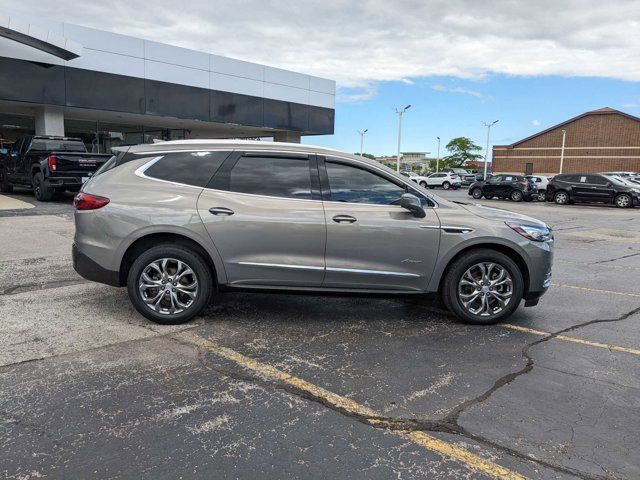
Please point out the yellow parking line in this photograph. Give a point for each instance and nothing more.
(423, 439)
(542, 333)
(596, 290)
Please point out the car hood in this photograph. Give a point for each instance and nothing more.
(499, 214)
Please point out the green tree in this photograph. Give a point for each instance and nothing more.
(370, 156)
(461, 149)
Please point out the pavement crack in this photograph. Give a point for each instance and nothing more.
(395, 424)
(28, 287)
(617, 258)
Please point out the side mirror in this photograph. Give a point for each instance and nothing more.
(413, 204)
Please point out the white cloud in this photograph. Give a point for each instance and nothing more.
(535, 122)
(407, 81)
(360, 43)
(461, 90)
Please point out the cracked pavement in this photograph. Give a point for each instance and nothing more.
(88, 388)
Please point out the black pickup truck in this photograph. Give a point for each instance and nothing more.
(47, 165)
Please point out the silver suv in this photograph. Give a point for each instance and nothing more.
(177, 221)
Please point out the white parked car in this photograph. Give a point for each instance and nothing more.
(446, 180)
(541, 183)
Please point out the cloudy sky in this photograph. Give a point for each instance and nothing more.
(528, 63)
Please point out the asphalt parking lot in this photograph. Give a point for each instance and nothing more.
(291, 386)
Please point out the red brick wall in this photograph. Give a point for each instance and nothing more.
(597, 142)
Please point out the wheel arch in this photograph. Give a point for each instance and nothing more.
(518, 258)
(155, 238)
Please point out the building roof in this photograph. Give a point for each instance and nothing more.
(599, 111)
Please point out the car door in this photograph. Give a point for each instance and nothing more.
(10, 159)
(506, 185)
(602, 189)
(434, 179)
(583, 191)
(492, 185)
(22, 169)
(263, 211)
(373, 243)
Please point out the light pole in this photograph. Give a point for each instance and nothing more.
(400, 113)
(362, 139)
(486, 155)
(438, 157)
(564, 137)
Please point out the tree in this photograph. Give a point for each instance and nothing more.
(461, 149)
(370, 156)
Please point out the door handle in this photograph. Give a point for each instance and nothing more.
(221, 211)
(344, 219)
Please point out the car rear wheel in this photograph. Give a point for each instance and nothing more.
(483, 287)
(423, 183)
(561, 198)
(169, 284)
(623, 201)
(446, 185)
(542, 196)
(477, 193)
(4, 182)
(516, 196)
(40, 190)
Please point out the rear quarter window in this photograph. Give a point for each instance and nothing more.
(188, 168)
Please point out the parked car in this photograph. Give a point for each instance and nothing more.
(513, 187)
(48, 164)
(466, 177)
(176, 221)
(445, 180)
(592, 188)
(541, 183)
(619, 174)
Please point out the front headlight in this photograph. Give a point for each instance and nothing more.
(532, 232)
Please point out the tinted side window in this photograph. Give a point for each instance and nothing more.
(597, 180)
(272, 176)
(190, 168)
(356, 185)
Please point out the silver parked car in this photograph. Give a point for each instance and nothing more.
(176, 221)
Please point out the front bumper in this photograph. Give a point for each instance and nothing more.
(90, 270)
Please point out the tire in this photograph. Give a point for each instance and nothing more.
(516, 196)
(488, 197)
(4, 183)
(475, 312)
(423, 183)
(542, 196)
(477, 193)
(201, 276)
(561, 197)
(623, 201)
(40, 191)
(446, 185)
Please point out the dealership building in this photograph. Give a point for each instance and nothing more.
(109, 89)
(604, 140)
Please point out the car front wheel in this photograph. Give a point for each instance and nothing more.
(561, 198)
(423, 183)
(483, 287)
(477, 193)
(623, 200)
(169, 284)
(446, 185)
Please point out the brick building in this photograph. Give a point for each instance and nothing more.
(603, 140)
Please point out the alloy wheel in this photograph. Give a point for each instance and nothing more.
(561, 198)
(485, 289)
(623, 201)
(168, 286)
(477, 193)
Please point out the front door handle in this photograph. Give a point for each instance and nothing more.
(344, 219)
(221, 211)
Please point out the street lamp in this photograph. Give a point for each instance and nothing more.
(400, 113)
(362, 139)
(564, 137)
(438, 157)
(486, 156)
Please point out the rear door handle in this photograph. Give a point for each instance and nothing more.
(221, 211)
(344, 219)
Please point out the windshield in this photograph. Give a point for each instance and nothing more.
(617, 180)
(45, 145)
